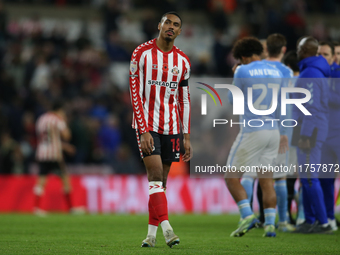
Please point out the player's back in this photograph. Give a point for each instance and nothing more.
(285, 70)
(262, 79)
(48, 129)
(288, 81)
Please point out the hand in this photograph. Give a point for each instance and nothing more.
(147, 143)
(283, 144)
(304, 144)
(69, 148)
(187, 147)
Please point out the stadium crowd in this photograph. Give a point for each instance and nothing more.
(40, 64)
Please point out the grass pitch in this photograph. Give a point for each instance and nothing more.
(123, 234)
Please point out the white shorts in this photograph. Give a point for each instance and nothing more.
(252, 150)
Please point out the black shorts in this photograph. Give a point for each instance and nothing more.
(48, 167)
(167, 146)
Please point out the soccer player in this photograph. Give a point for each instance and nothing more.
(276, 48)
(254, 146)
(53, 135)
(313, 133)
(159, 73)
(331, 150)
(290, 59)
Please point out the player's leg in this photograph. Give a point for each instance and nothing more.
(157, 200)
(39, 187)
(239, 194)
(269, 204)
(170, 152)
(312, 192)
(66, 185)
(281, 198)
(328, 158)
(237, 161)
(157, 196)
(153, 217)
(166, 170)
(259, 199)
(268, 155)
(248, 184)
(282, 205)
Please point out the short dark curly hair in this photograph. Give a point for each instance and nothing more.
(247, 47)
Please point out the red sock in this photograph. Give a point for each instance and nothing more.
(67, 197)
(37, 199)
(160, 205)
(153, 218)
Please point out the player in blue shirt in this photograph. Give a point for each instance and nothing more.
(276, 47)
(314, 128)
(255, 146)
(331, 149)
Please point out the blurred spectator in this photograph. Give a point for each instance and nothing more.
(10, 154)
(114, 49)
(41, 75)
(3, 24)
(111, 13)
(220, 51)
(149, 25)
(218, 16)
(109, 139)
(81, 139)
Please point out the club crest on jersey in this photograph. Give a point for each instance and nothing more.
(175, 70)
(133, 67)
(165, 67)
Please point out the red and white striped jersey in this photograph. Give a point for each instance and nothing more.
(49, 127)
(159, 89)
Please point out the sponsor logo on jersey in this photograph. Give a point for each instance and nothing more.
(172, 84)
(133, 67)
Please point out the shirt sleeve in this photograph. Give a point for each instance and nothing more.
(184, 100)
(136, 90)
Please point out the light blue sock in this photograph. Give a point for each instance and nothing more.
(248, 185)
(244, 208)
(301, 214)
(282, 196)
(269, 216)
